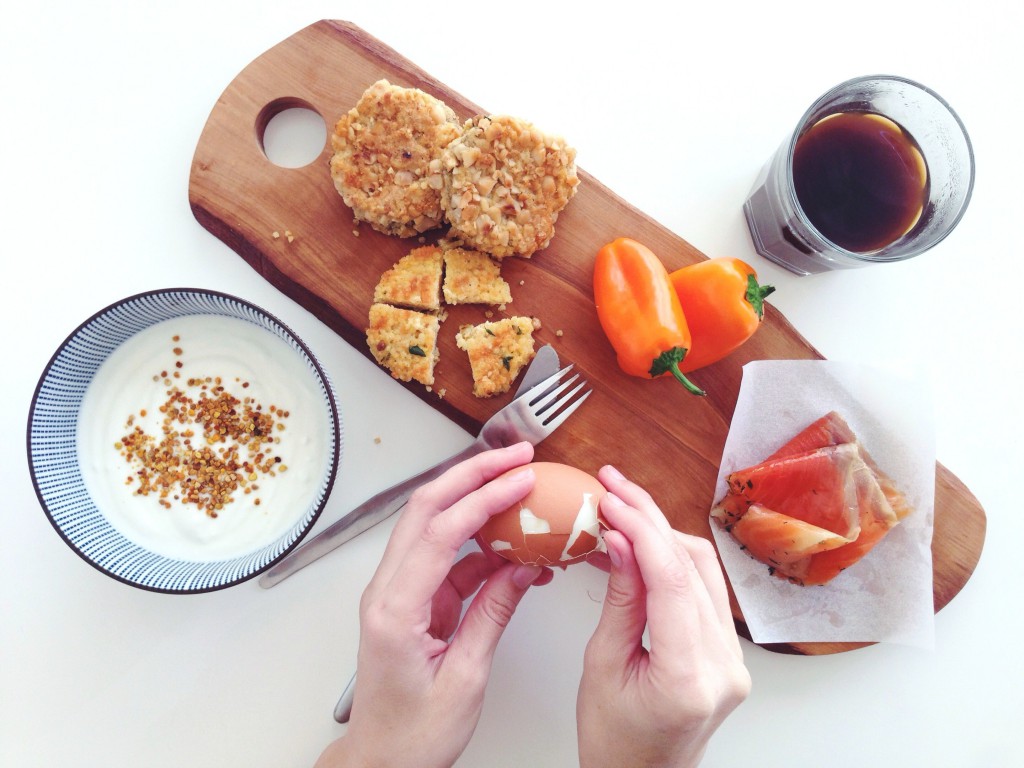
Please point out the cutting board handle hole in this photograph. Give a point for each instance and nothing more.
(291, 132)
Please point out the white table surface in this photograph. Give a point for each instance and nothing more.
(104, 103)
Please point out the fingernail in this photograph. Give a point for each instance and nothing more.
(520, 475)
(615, 557)
(615, 473)
(614, 500)
(524, 575)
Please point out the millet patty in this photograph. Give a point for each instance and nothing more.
(387, 158)
(505, 182)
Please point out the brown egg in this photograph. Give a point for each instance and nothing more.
(555, 525)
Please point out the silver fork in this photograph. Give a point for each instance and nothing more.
(531, 417)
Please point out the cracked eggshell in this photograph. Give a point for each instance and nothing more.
(557, 524)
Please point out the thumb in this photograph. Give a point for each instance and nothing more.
(490, 612)
(624, 616)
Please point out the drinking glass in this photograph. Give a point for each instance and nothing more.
(779, 226)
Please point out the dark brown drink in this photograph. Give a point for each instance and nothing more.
(860, 179)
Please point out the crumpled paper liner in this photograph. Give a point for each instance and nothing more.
(887, 595)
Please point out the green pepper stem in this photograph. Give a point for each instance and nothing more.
(668, 362)
(756, 295)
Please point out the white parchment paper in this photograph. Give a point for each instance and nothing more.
(887, 596)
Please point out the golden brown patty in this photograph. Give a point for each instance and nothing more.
(414, 282)
(387, 158)
(472, 277)
(404, 342)
(497, 352)
(504, 183)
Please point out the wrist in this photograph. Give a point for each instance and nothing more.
(349, 752)
(344, 752)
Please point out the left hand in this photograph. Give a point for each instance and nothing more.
(420, 694)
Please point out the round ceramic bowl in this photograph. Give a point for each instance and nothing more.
(55, 458)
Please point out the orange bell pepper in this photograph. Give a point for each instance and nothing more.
(640, 312)
(724, 305)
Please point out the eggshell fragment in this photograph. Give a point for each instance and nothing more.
(557, 524)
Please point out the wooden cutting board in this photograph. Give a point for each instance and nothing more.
(669, 441)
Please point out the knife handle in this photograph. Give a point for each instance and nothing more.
(343, 709)
(360, 519)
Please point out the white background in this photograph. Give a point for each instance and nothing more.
(675, 106)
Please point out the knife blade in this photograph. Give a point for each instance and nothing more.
(545, 363)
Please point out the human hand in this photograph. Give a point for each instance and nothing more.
(419, 696)
(657, 707)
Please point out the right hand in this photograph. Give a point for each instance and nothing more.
(657, 707)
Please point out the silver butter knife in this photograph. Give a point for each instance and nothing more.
(389, 501)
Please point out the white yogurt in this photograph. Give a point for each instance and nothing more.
(209, 346)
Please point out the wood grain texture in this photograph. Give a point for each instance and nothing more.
(667, 440)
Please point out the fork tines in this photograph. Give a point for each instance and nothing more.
(553, 403)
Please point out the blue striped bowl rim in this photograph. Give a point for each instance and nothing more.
(52, 452)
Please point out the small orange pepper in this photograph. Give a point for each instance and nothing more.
(640, 312)
(724, 305)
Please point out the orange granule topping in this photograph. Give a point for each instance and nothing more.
(211, 444)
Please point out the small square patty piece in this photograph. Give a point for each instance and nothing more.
(505, 182)
(497, 351)
(472, 277)
(404, 342)
(414, 282)
(387, 158)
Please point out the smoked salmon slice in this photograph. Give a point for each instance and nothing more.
(814, 507)
(780, 540)
(832, 429)
(815, 487)
(877, 517)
